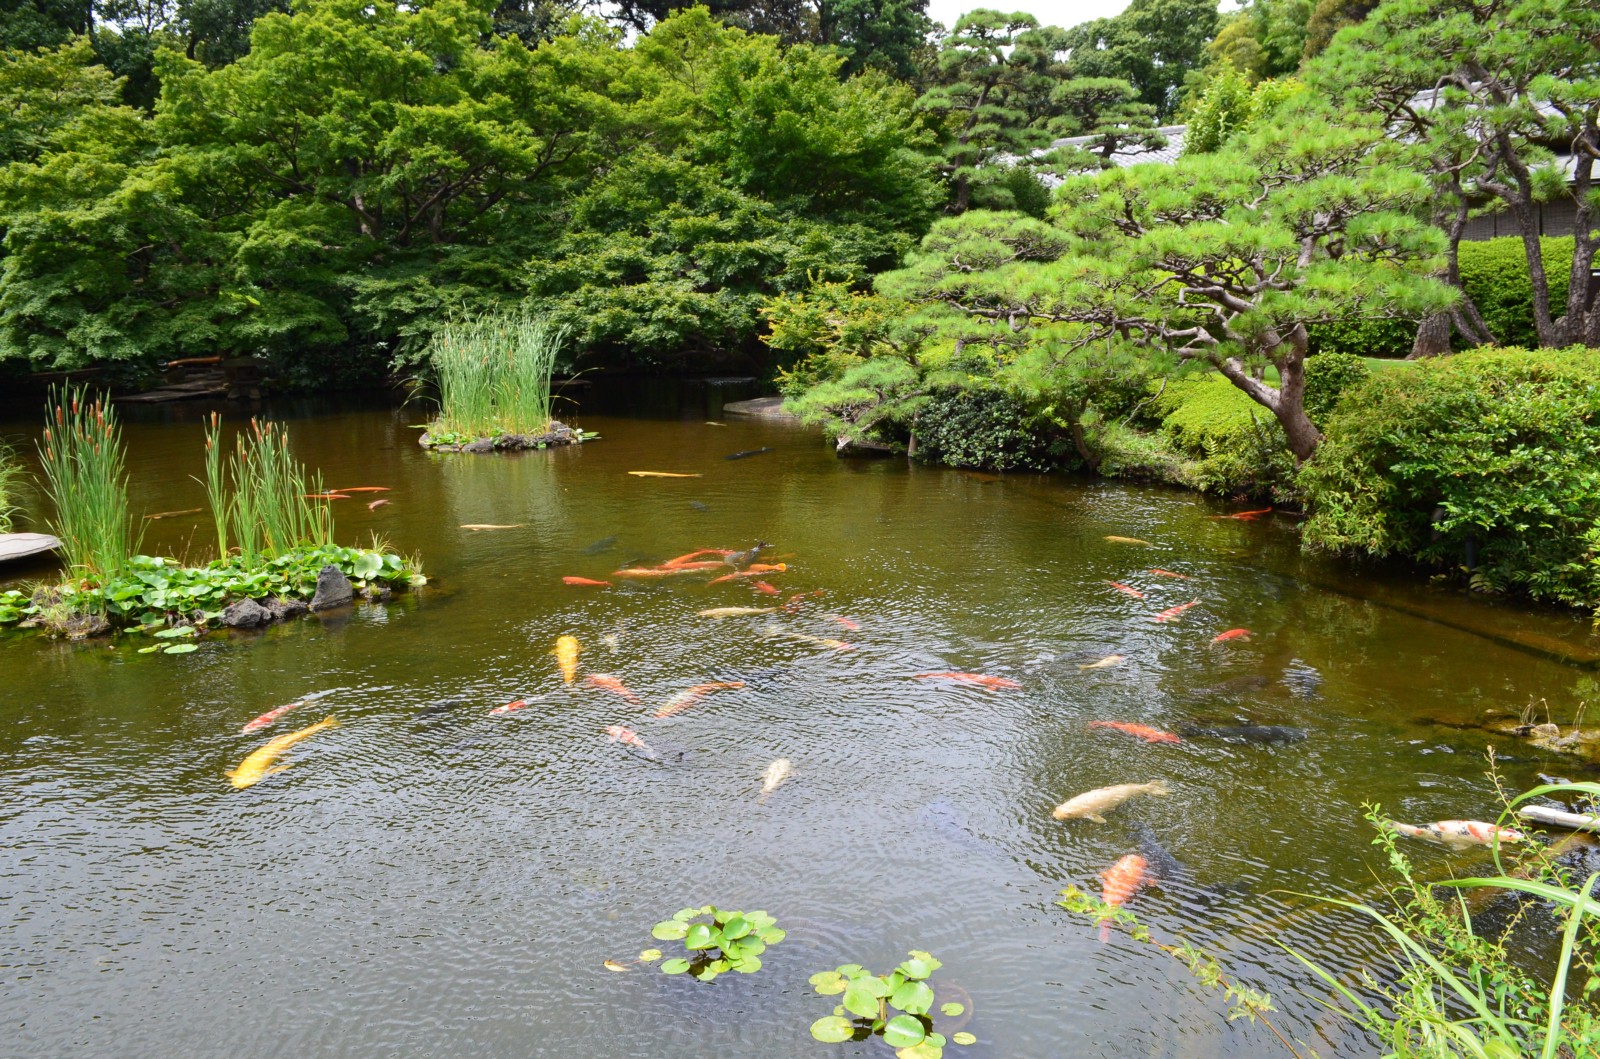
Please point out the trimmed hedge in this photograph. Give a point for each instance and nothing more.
(1493, 450)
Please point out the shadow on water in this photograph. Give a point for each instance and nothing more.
(432, 879)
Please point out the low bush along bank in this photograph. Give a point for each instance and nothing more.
(1487, 463)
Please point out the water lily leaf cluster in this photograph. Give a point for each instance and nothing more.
(895, 1006)
(157, 591)
(717, 940)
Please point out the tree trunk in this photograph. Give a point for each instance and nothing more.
(1433, 336)
(1303, 435)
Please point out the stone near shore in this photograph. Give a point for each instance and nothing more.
(244, 614)
(333, 589)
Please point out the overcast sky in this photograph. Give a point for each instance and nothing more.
(1062, 13)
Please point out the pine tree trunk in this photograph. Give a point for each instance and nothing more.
(1433, 336)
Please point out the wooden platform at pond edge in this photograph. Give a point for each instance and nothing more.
(22, 545)
(767, 407)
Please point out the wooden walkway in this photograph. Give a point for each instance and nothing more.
(22, 545)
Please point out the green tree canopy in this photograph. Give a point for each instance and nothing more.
(1153, 45)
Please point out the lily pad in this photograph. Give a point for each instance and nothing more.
(669, 930)
(833, 1029)
(918, 968)
(180, 649)
(675, 966)
(952, 1009)
(736, 927)
(748, 965)
(904, 1031)
(932, 1047)
(152, 649)
(861, 999)
(827, 983)
(649, 954)
(698, 937)
(963, 1038)
(914, 998)
(175, 632)
(771, 935)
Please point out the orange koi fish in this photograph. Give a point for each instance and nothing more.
(364, 489)
(1125, 590)
(376, 504)
(645, 571)
(688, 697)
(612, 684)
(1247, 516)
(764, 588)
(511, 707)
(1168, 573)
(585, 581)
(1173, 612)
(1231, 634)
(1120, 882)
(675, 567)
(992, 683)
(1140, 731)
(844, 622)
(718, 552)
(621, 733)
(270, 716)
(754, 570)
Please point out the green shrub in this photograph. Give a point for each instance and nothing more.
(1495, 273)
(1232, 444)
(1364, 338)
(1497, 447)
(1327, 378)
(987, 428)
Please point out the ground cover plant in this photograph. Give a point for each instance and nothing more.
(717, 940)
(1485, 464)
(493, 376)
(896, 1006)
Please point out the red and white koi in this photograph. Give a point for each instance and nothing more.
(270, 716)
(1168, 573)
(1173, 612)
(992, 683)
(689, 696)
(1119, 883)
(613, 685)
(1459, 834)
(621, 733)
(844, 623)
(511, 707)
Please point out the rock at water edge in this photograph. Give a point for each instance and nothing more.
(244, 614)
(333, 589)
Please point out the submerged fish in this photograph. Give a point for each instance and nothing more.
(613, 685)
(707, 564)
(364, 489)
(1127, 540)
(376, 504)
(1231, 634)
(270, 716)
(747, 453)
(511, 707)
(1247, 733)
(585, 581)
(1459, 834)
(774, 776)
(491, 526)
(261, 763)
(843, 622)
(566, 652)
(1125, 590)
(1141, 731)
(802, 637)
(1105, 663)
(324, 496)
(602, 545)
(1121, 881)
(688, 697)
(734, 612)
(1160, 865)
(697, 553)
(172, 514)
(1247, 516)
(992, 683)
(1168, 573)
(1173, 612)
(660, 474)
(952, 824)
(620, 733)
(1091, 804)
(695, 505)
(764, 588)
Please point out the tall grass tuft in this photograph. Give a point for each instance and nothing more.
(82, 454)
(274, 506)
(216, 482)
(493, 372)
(11, 479)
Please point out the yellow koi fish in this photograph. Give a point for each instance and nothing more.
(734, 612)
(1127, 540)
(661, 474)
(261, 763)
(566, 652)
(1105, 663)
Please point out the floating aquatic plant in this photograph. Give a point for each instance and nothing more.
(717, 940)
(896, 1006)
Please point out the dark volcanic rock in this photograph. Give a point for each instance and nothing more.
(244, 614)
(282, 609)
(333, 589)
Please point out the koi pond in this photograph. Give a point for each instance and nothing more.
(429, 878)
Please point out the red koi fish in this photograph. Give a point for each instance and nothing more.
(1125, 590)
(1168, 573)
(270, 716)
(992, 683)
(621, 733)
(364, 489)
(764, 588)
(376, 504)
(1173, 612)
(643, 571)
(684, 699)
(844, 622)
(718, 552)
(585, 581)
(511, 707)
(1139, 731)
(1119, 883)
(613, 685)
(754, 570)
(1247, 516)
(675, 567)
(1231, 634)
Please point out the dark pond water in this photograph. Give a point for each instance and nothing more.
(429, 880)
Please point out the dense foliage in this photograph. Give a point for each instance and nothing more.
(1487, 462)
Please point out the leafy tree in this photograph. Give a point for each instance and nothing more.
(1229, 107)
(26, 25)
(1107, 110)
(1480, 91)
(1153, 44)
(1329, 17)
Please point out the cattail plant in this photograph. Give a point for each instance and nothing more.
(274, 507)
(81, 451)
(493, 374)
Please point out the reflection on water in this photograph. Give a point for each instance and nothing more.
(428, 879)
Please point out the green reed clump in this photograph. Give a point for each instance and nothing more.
(261, 498)
(11, 479)
(493, 374)
(82, 454)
